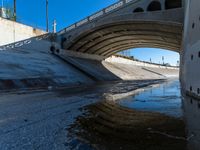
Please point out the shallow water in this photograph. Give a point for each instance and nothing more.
(166, 98)
(138, 122)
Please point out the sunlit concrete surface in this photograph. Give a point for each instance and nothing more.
(11, 31)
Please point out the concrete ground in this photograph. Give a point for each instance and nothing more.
(39, 120)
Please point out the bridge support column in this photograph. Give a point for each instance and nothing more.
(190, 61)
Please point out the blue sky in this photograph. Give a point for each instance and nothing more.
(66, 12)
(156, 55)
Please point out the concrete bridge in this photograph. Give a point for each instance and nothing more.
(127, 24)
(121, 26)
(167, 24)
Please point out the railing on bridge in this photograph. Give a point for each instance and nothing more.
(111, 9)
(100, 13)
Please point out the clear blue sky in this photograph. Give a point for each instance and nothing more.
(66, 12)
(156, 55)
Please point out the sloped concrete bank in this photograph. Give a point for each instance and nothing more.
(108, 70)
(38, 68)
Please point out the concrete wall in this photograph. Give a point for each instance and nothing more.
(11, 31)
(191, 54)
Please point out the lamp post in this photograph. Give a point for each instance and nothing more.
(15, 11)
(163, 59)
(54, 26)
(47, 16)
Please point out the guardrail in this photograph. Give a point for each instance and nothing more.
(98, 14)
(25, 42)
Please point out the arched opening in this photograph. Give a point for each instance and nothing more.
(122, 36)
(154, 6)
(139, 9)
(170, 4)
(152, 55)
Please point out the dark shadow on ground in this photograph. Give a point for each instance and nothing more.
(108, 126)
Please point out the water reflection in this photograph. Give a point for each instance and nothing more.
(166, 98)
(110, 126)
(192, 118)
(151, 120)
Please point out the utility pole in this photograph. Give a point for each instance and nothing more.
(15, 11)
(2, 8)
(47, 16)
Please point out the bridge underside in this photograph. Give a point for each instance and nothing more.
(109, 39)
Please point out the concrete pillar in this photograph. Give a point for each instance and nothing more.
(190, 59)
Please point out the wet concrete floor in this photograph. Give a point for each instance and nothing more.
(83, 119)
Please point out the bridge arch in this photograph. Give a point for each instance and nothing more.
(139, 9)
(154, 6)
(120, 31)
(108, 39)
(170, 4)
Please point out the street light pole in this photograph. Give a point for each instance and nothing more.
(54, 26)
(2, 8)
(47, 16)
(15, 11)
(163, 59)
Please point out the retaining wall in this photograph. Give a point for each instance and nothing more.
(136, 63)
(11, 31)
(190, 61)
